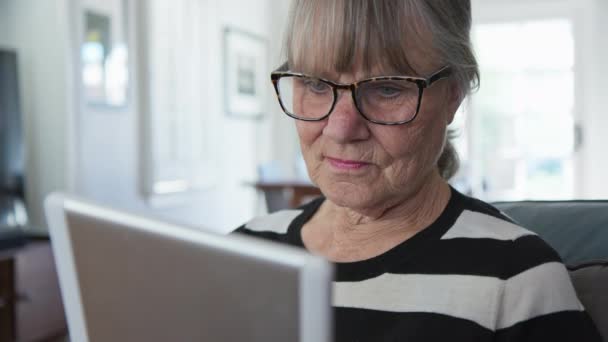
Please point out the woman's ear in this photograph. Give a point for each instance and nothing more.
(455, 96)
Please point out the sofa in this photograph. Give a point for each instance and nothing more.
(578, 231)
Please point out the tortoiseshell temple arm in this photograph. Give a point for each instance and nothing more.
(440, 74)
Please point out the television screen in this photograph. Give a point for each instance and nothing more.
(11, 134)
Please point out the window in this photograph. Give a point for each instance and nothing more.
(518, 138)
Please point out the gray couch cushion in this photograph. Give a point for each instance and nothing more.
(577, 230)
(591, 283)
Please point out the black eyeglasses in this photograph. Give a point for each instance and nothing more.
(385, 100)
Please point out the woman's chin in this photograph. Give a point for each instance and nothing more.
(349, 196)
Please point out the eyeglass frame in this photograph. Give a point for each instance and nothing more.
(421, 82)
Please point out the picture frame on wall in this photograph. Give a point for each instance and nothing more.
(245, 74)
(104, 55)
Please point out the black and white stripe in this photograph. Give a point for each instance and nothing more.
(277, 222)
(473, 275)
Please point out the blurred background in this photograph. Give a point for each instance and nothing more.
(165, 108)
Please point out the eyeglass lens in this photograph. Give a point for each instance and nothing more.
(379, 100)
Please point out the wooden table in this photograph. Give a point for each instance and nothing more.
(292, 192)
(7, 296)
(30, 300)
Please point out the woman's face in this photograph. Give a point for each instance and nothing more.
(365, 166)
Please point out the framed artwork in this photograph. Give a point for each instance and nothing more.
(245, 74)
(104, 56)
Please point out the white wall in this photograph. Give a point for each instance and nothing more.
(6, 38)
(109, 156)
(38, 30)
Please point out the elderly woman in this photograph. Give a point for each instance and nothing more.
(373, 86)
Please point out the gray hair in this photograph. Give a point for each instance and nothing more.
(372, 31)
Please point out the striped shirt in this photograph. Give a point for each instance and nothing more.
(472, 275)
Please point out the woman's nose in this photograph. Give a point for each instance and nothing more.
(345, 124)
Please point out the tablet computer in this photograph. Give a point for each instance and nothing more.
(125, 277)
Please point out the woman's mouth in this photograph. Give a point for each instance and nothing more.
(342, 164)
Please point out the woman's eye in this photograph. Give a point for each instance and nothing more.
(391, 89)
(316, 86)
(388, 91)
